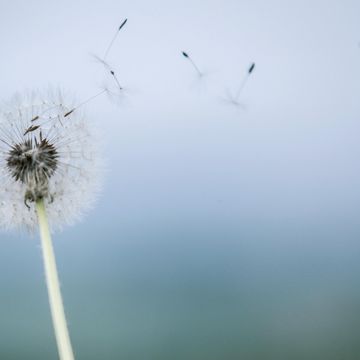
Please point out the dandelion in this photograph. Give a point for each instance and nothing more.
(49, 171)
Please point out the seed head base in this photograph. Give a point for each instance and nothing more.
(33, 162)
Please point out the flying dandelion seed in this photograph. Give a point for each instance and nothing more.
(109, 69)
(186, 55)
(49, 171)
(235, 99)
(114, 38)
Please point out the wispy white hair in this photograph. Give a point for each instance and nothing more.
(75, 183)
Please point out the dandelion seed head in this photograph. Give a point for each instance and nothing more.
(46, 154)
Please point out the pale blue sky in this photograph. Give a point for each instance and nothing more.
(262, 202)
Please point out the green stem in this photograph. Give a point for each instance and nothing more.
(52, 283)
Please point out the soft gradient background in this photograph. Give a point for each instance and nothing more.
(221, 233)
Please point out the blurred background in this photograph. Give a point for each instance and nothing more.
(223, 232)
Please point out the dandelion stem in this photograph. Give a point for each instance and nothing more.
(52, 282)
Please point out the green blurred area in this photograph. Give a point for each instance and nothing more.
(210, 296)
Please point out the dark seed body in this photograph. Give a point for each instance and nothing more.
(33, 162)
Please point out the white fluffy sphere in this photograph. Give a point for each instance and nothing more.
(46, 151)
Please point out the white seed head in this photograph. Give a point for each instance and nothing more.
(49, 151)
